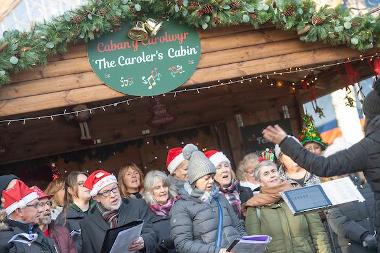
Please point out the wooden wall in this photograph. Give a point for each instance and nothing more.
(215, 108)
(226, 53)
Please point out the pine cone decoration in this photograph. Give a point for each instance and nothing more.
(316, 20)
(200, 13)
(102, 12)
(289, 11)
(116, 21)
(193, 5)
(207, 9)
(180, 2)
(77, 19)
(216, 20)
(253, 16)
(235, 5)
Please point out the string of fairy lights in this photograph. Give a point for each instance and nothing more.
(247, 79)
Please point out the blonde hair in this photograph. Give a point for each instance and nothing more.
(150, 180)
(242, 168)
(54, 187)
(123, 188)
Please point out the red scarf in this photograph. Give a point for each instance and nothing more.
(163, 210)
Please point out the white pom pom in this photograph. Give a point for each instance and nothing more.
(188, 150)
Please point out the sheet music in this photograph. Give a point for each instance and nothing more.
(341, 191)
(125, 238)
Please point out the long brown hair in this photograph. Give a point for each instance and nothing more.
(72, 182)
(55, 186)
(123, 188)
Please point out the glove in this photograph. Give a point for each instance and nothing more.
(165, 245)
(370, 242)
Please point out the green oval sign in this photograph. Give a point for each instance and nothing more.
(152, 67)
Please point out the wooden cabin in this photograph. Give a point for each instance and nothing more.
(244, 62)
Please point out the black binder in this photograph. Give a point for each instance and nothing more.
(112, 233)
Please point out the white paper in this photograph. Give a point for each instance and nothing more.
(125, 238)
(341, 191)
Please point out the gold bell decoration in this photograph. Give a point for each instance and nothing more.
(138, 32)
(152, 26)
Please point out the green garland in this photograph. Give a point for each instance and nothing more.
(24, 50)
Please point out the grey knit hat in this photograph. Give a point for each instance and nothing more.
(199, 164)
(371, 105)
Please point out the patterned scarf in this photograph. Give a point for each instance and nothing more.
(111, 217)
(163, 210)
(232, 195)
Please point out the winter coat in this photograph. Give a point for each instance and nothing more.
(245, 193)
(352, 221)
(41, 245)
(362, 156)
(70, 218)
(94, 227)
(290, 234)
(161, 226)
(194, 224)
(62, 238)
(175, 184)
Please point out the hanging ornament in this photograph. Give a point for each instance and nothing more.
(161, 115)
(352, 75)
(376, 66)
(152, 26)
(349, 100)
(138, 32)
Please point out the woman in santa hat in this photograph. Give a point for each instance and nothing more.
(176, 164)
(226, 181)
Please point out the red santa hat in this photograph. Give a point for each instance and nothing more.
(216, 157)
(98, 180)
(175, 157)
(40, 193)
(18, 197)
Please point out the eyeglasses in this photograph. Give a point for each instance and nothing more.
(40, 204)
(108, 193)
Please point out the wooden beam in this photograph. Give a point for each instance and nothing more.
(59, 75)
(6, 7)
(102, 92)
(79, 63)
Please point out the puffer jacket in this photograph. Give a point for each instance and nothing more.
(290, 234)
(22, 244)
(362, 156)
(194, 223)
(351, 222)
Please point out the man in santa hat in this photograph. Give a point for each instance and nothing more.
(112, 211)
(177, 167)
(22, 233)
(59, 234)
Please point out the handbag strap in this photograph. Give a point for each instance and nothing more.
(220, 224)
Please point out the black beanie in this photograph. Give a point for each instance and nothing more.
(5, 180)
(371, 105)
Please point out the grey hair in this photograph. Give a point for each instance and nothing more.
(150, 179)
(242, 168)
(261, 165)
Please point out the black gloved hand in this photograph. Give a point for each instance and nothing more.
(165, 245)
(370, 242)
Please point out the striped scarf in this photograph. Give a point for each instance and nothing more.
(111, 217)
(232, 195)
(162, 210)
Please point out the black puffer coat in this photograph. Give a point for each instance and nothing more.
(352, 221)
(362, 156)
